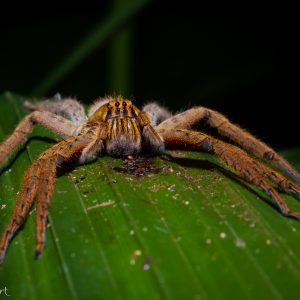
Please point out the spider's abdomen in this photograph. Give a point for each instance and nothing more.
(123, 137)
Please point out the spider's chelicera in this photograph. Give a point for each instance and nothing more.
(116, 127)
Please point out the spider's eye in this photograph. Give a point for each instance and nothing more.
(124, 104)
(117, 104)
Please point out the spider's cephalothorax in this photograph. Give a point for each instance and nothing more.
(118, 128)
(127, 128)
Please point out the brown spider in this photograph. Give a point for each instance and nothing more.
(116, 127)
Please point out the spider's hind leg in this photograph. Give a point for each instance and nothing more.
(156, 112)
(68, 107)
(56, 123)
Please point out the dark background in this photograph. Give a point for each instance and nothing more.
(241, 60)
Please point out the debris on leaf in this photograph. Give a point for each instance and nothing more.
(147, 263)
(137, 167)
(108, 203)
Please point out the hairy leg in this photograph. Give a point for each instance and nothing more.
(244, 139)
(39, 182)
(156, 112)
(86, 146)
(276, 178)
(98, 103)
(24, 202)
(152, 139)
(58, 124)
(68, 107)
(237, 159)
(43, 196)
(96, 144)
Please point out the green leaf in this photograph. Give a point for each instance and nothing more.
(186, 230)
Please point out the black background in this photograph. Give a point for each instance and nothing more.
(241, 60)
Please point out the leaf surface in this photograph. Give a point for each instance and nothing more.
(189, 229)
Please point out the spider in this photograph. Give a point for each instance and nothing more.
(116, 127)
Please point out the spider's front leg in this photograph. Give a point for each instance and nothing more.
(241, 137)
(247, 168)
(39, 181)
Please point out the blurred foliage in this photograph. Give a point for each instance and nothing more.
(170, 51)
(120, 13)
